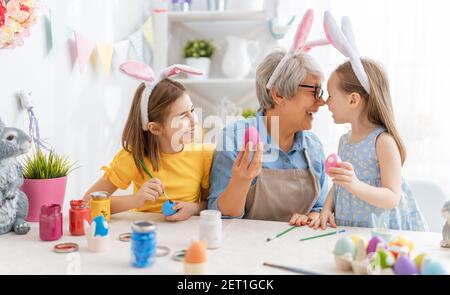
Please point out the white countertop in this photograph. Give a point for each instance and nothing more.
(243, 250)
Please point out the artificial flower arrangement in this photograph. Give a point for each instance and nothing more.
(16, 18)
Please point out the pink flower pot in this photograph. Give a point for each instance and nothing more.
(43, 192)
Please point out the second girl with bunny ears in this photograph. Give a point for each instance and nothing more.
(369, 180)
(159, 132)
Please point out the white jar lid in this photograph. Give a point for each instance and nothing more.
(210, 215)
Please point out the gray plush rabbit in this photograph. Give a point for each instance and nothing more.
(13, 202)
(446, 229)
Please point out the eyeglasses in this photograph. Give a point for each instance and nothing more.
(318, 91)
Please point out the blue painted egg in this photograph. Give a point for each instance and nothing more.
(344, 245)
(432, 267)
(167, 208)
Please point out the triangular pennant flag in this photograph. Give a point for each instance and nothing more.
(121, 49)
(84, 49)
(138, 44)
(60, 32)
(147, 30)
(48, 33)
(105, 52)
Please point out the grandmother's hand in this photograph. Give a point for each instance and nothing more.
(243, 169)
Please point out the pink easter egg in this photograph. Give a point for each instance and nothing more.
(332, 161)
(373, 243)
(251, 135)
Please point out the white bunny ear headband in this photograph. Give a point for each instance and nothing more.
(144, 73)
(344, 41)
(299, 45)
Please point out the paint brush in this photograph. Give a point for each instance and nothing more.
(281, 233)
(324, 235)
(293, 269)
(151, 176)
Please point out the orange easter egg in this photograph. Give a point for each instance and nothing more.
(196, 253)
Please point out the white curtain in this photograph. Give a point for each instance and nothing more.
(410, 38)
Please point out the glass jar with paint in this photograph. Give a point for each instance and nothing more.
(211, 228)
(100, 204)
(78, 212)
(50, 223)
(143, 243)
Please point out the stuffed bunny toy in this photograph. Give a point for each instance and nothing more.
(13, 202)
(446, 229)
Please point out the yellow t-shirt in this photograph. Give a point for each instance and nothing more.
(183, 174)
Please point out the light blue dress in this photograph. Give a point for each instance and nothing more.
(352, 211)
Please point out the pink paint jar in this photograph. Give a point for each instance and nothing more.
(50, 223)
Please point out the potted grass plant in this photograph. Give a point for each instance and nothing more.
(45, 180)
(198, 53)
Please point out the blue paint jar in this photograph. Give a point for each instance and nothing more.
(143, 243)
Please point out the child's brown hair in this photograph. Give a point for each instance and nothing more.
(142, 143)
(378, 108)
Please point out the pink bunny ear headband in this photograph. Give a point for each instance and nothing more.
(299, 45)
(144, 73)
(344, 41)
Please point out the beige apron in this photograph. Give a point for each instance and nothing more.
(279, 193)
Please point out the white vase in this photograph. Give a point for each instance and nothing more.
(201, 63)
(236, 62)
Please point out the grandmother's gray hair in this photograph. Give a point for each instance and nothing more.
(294, 72)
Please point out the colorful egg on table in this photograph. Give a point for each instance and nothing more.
(433, 267)
(332, 160)
(400, 246)
(251, 135)
(380, 263)
(357, 238)
(195, 259)
(419, 260)
(167, 208)
(373, 243)
(344, 251)
(404, 266)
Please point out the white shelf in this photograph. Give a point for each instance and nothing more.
(216, 81)
(207, 16)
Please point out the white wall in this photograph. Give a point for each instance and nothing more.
(82, 115)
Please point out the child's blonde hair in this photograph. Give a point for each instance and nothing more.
(135, 140)
(378, 108)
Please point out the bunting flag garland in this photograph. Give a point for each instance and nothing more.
(105, 53)
(147, 30)
(121, 50)
(58, 33)
(84, 49)
(137, 41)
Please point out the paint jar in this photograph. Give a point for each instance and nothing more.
(78, 212)
(100, 204)
(143, 243)
(50, 223)
(211, 228)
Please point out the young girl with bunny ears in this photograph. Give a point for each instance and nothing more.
(369, 178)
(159, 133)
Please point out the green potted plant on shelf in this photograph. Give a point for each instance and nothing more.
(198, 53)
(45, 180)
(248, 113)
